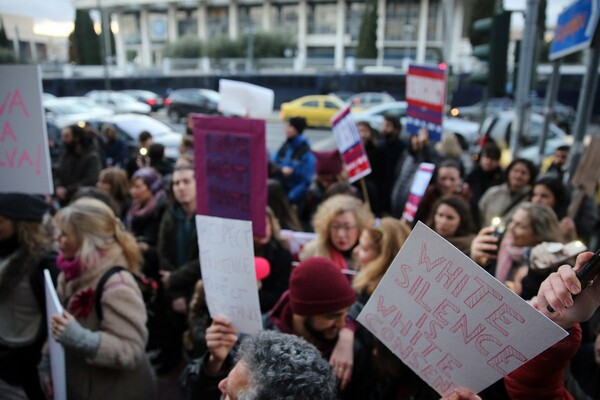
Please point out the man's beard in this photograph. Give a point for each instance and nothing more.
(318, 335)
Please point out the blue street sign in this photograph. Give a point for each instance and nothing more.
(575, 28)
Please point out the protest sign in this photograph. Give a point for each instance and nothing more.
(449, 320)
(350, 145)
(231, 169)
(417, 190)
(57, 353)
(296, 240)
(245, 99)
(227, 264)
(426, 98)
(24, 154)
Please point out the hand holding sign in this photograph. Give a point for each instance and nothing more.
(450, 321)
(558, 291)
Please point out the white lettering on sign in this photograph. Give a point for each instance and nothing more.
(425, 90)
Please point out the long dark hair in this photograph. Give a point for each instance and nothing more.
(562, 198)
(462, 208)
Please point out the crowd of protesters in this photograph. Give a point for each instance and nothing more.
(137, 212)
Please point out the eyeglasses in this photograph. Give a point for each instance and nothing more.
(344, 228)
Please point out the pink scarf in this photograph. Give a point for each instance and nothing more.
(71, 267)
(507, 256)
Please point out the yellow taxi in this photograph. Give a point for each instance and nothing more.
(317, 109)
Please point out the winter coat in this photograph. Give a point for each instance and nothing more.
(120, 368)
(296, 153)
(182, 279)
(500, 201)
(542, 377)
(78, 169)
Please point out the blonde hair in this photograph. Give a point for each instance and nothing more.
(97, 229)
(544, 222)
(387, 240)
(336, 205)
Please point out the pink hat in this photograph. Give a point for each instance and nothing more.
(328, 162)
(262, 267)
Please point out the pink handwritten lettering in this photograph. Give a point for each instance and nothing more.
(500, 314)
(424, 259)
(503, 358)
(485, 338)
(481, 293)
(462, 325)
(441, 311)
(7, 131)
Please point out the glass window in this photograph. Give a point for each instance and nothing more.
(158, 27)
(129, 28)
(402, 20)
(354, 16)
(311, 103)
(321, 18)
(187, 22)
(250, 16)
(217, 21)
(329, 104)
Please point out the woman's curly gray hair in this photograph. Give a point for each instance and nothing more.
(285, 367)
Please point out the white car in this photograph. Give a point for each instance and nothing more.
(499, 128)
(69, 110)
(467, 132)
(129, 127)
(119, 102)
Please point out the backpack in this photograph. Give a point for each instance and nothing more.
(148, 287)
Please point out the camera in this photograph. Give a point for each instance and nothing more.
(499, 229)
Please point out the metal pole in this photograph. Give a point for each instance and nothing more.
(103, 39)
(584, 106)
(250, 49)
(551, 95)
(526, 62)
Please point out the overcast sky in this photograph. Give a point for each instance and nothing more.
(61, 10)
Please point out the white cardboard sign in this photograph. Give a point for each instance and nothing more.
(227, 264)
(24, 153)
(450, 321)
(245, 99)
(57, 353)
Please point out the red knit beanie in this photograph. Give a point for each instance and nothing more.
(328, 162)
(317, 286)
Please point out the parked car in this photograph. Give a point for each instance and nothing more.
(499, 128)
(362, 101)
(118, 102)
(129, 127)
(474, 111)
(317, 109)
(47, 96)
(562, 115)
(181, 102)
(146, 96)
(375, 115)
(69, 110)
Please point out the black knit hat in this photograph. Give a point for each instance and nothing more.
(299, 123)
(20, 206)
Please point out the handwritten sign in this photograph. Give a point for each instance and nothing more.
(417, 190)
(227, 264)
(231, 169)
(24, 153)
(450, 321)
(426, 98)
(245, 99)
(350, 145)
(57, 353)
(296, 240)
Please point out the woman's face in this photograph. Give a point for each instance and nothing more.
(343, 231)
(139, 191)
(7, 228)
(446, 220)
(364, 132)
(518, 177)
(448, 180)
(268, 233)
(521, 229)
(103, 185)
(67, 244)
(365, 250)
(542, 195)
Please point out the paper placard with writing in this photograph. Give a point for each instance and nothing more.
(57, 353)
(227, 264)
(450, 321)
(24, 154)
